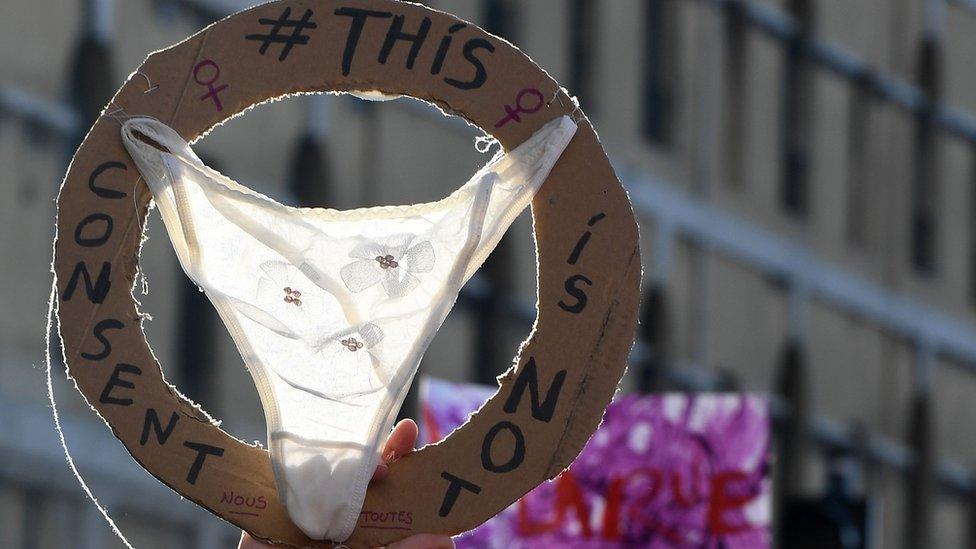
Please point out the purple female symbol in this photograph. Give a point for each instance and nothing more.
(212, 90)
(513, 113)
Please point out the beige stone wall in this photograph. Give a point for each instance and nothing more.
(402, 152)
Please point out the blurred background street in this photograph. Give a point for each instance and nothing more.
(804, 173)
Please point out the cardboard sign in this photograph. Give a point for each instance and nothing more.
(589, 265)
(669, 470)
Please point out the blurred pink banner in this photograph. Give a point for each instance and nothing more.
(672, 470)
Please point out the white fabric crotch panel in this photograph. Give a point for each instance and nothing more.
(332, 310)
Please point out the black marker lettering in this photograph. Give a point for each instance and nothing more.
(580, 244)
(91, 242)
(117, 381)
(576, 292)
(529, 378)
(359, 17)
(107, 324)
(152, 420)
(518, 454)
(395, 34)
(442, 49)
(105, 192)
(453, 491)
(96, 293)
(202, 450)
(480, 75)
(275, 36)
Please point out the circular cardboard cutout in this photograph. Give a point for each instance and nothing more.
(548, 403)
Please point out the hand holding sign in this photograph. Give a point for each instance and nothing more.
(401, 442)
(536, 423)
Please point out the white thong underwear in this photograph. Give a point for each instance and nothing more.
(332, 310)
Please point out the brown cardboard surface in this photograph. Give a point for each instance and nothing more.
(589, 265)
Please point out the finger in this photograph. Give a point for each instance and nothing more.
(423, 541)
(400, 443)
(402, 440)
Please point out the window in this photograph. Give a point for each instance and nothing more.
(972, 235)
(734, 116)
(660, 70)
(582, 41)
(309, 172)
(925, 188)
(92, 75)
(792, 437)
(858, 174)
(196, 337)
(654, 332)
(499, 17)
(796, 114)
(492, 316)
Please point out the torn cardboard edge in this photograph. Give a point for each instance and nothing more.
(589, 265)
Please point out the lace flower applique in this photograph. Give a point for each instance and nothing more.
(392, 262)
(290, 298)
(357, 340)
(348, 364)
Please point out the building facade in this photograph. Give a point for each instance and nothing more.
(803, 172)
